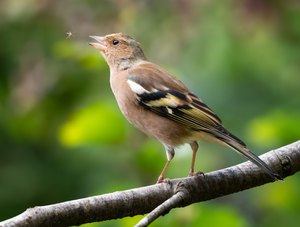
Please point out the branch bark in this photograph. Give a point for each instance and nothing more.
(161, 198)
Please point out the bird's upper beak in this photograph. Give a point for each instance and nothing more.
(100, 45)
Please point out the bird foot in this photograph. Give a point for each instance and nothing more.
(162, 180)
(193, 174)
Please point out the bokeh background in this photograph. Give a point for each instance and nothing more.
(62, 136)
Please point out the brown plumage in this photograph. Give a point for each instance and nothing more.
(162, 106)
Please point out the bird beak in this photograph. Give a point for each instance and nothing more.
(100, 45)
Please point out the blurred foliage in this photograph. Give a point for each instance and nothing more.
(93, 125)
(62, 136)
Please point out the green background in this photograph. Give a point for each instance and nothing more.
(62, 136)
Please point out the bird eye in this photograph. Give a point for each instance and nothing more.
(115, 42)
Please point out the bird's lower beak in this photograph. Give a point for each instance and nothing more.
(100, 45)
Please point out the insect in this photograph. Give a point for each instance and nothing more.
(68, 35)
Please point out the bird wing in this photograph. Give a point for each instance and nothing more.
(169, 98)
(161, 93)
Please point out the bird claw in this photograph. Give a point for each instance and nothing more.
(193, 174)
(162, 180)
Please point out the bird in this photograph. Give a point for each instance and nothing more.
(161, 106)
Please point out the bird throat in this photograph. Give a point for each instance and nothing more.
(122, 64)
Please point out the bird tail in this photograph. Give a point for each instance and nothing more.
(239, 146)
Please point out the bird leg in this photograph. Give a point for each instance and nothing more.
(194, 145)
(170, 154)
(161, 177)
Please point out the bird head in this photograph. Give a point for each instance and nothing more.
(119, 50)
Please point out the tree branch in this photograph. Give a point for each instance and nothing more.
(161, 198)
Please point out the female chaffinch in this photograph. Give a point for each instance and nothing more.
(162, 106)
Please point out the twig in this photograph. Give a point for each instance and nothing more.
(165, 207)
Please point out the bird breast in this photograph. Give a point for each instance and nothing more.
(165, 130)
